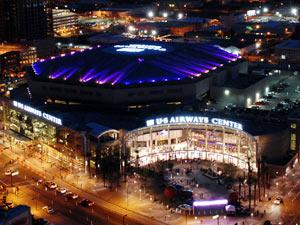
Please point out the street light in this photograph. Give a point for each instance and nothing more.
(124, 219)
(217, 217)
(154, 32)
(165, 14)
(294, 11)
(265, 10)
(150, 14)
(131, 28)
(180, 16)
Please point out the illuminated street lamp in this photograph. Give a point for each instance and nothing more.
(131, 28)
(216, 217)
(265, 10)
(154, 32)
(165, 14)
(294, 11)
(150, 14)
(180, 16)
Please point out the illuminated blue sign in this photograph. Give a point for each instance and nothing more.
(136, 48)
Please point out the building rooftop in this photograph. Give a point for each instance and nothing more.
(134, 62)
(6, 215)
(289, 44)
(4, 48)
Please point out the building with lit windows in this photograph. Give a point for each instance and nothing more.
(206, 137)
(79, 138)
(63, 19)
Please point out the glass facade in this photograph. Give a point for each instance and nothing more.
(207, 142)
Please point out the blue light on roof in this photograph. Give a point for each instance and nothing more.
(146, 64)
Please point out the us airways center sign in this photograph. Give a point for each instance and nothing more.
(193, 120)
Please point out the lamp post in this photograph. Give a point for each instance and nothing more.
(124, 219)
(127, 195)
(217, 217)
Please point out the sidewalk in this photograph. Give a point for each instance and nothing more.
(136, 204)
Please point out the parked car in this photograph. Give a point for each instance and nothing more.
(185, 207)
(71, 195)
(50, 185)
(86, 203)
(278, 201)
(11, 172)
(48, 209)
(61, 190)
(8, 172)
(10, 205)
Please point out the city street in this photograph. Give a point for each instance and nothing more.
(111, 207)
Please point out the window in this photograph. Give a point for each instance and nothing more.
(293, 125)
(293, 142)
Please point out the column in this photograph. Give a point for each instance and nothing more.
(223, 142)
(151, 145)
(169, 142)
(187, 143)
(206, 141)
(238, 147)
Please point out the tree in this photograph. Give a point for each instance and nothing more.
(110, 167)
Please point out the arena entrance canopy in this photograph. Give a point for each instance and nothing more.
(192, 137)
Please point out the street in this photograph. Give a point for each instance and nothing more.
(111, 207)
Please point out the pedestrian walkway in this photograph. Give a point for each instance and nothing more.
(134, 203)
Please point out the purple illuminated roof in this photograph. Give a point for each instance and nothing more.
(134, 63)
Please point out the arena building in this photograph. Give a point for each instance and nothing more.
(134, 72)
(78, 138)
(208, 137)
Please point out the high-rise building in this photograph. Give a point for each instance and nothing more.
(22, 19)
(63, 19)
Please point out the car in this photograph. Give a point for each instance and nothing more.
(50, 184)
(185, 207)
(86, 203)
(11, 172)
(39, 181)
(10, 205)
(48, 209)
(61, 190)
(278, 201)
(8, 172)
(71, 195)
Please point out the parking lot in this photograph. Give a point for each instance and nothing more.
(282, 96)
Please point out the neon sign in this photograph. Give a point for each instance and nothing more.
(37, 112)
(210, 203)
(136, 48)
(193, 120)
